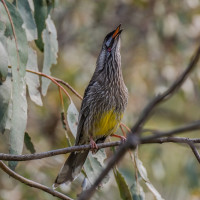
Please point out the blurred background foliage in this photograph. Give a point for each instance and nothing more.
(158, 40)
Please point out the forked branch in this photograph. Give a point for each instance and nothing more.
(133, 138)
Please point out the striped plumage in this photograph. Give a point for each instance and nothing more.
(103, 105)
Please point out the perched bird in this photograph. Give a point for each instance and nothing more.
(102, 108)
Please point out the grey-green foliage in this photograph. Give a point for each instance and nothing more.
(50, 51)
(18, 59)
(4, 54)
(72, 118)
(143, 173)
(29, 21)
(16, 53)
(122, 185)
(32, 80)
(42, 9)
(28, 143)
(5, 99)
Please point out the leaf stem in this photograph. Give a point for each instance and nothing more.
(63, 119)
(32, 183)
(52, 79)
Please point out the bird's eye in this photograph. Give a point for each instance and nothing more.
(109, 49)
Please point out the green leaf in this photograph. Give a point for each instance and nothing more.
(19, 103)
(5, 99)
(2, 27)
(28, 143)
(42, 9)
(20, 37)
(19, 114)
(94, 165)
(32, 80)
(3, 54)
(122, 185)
(72, 118)
(50, 51)
(137, 192)
(29, 21)
(5, 22)
(143, 173)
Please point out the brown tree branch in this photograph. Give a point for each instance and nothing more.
(159, 137)
(51, 153)
(132, 140)
(69, 87)
(52, 79)
(168, 93)
(32, 183)
(195, 151)
(183, 129)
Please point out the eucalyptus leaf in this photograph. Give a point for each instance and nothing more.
(72, 118)
(2, 26)
(136, 189)
(50, 51)
(143, 173)
(29, 21)
(20, 37)
(93, 167)
(5, 99)
(42, 9)
(3, 54)
(122, 185)
(28, 143)
(137, 192)
(18, 59)
(5, 23)
(32, 80)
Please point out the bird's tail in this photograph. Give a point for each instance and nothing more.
(71, 168)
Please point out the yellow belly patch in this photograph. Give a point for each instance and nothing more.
(106, 124)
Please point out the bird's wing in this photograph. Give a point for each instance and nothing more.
(85, 110)
(82, 117)
(84, 113)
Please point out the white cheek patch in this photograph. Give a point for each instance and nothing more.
(109, 42)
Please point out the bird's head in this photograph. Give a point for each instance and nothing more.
(112, 40)
(110, 47)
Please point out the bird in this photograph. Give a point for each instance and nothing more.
(104, 102)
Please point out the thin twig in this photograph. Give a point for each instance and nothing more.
(64, 122)
(32, 183)
(69, 87)
(172, 139)
(35, 156)
(125, 126)
(167, 94)
(52, 79)
(14, 34)
(133, 140)
(190, 127)
(195, 151)
(159, 138)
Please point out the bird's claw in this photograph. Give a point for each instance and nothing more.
(122, 138)
(94, 146)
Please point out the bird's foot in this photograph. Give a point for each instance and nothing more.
(94, 146)
(122, 138)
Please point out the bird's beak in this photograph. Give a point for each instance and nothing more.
(117, 32)
(114, 35)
